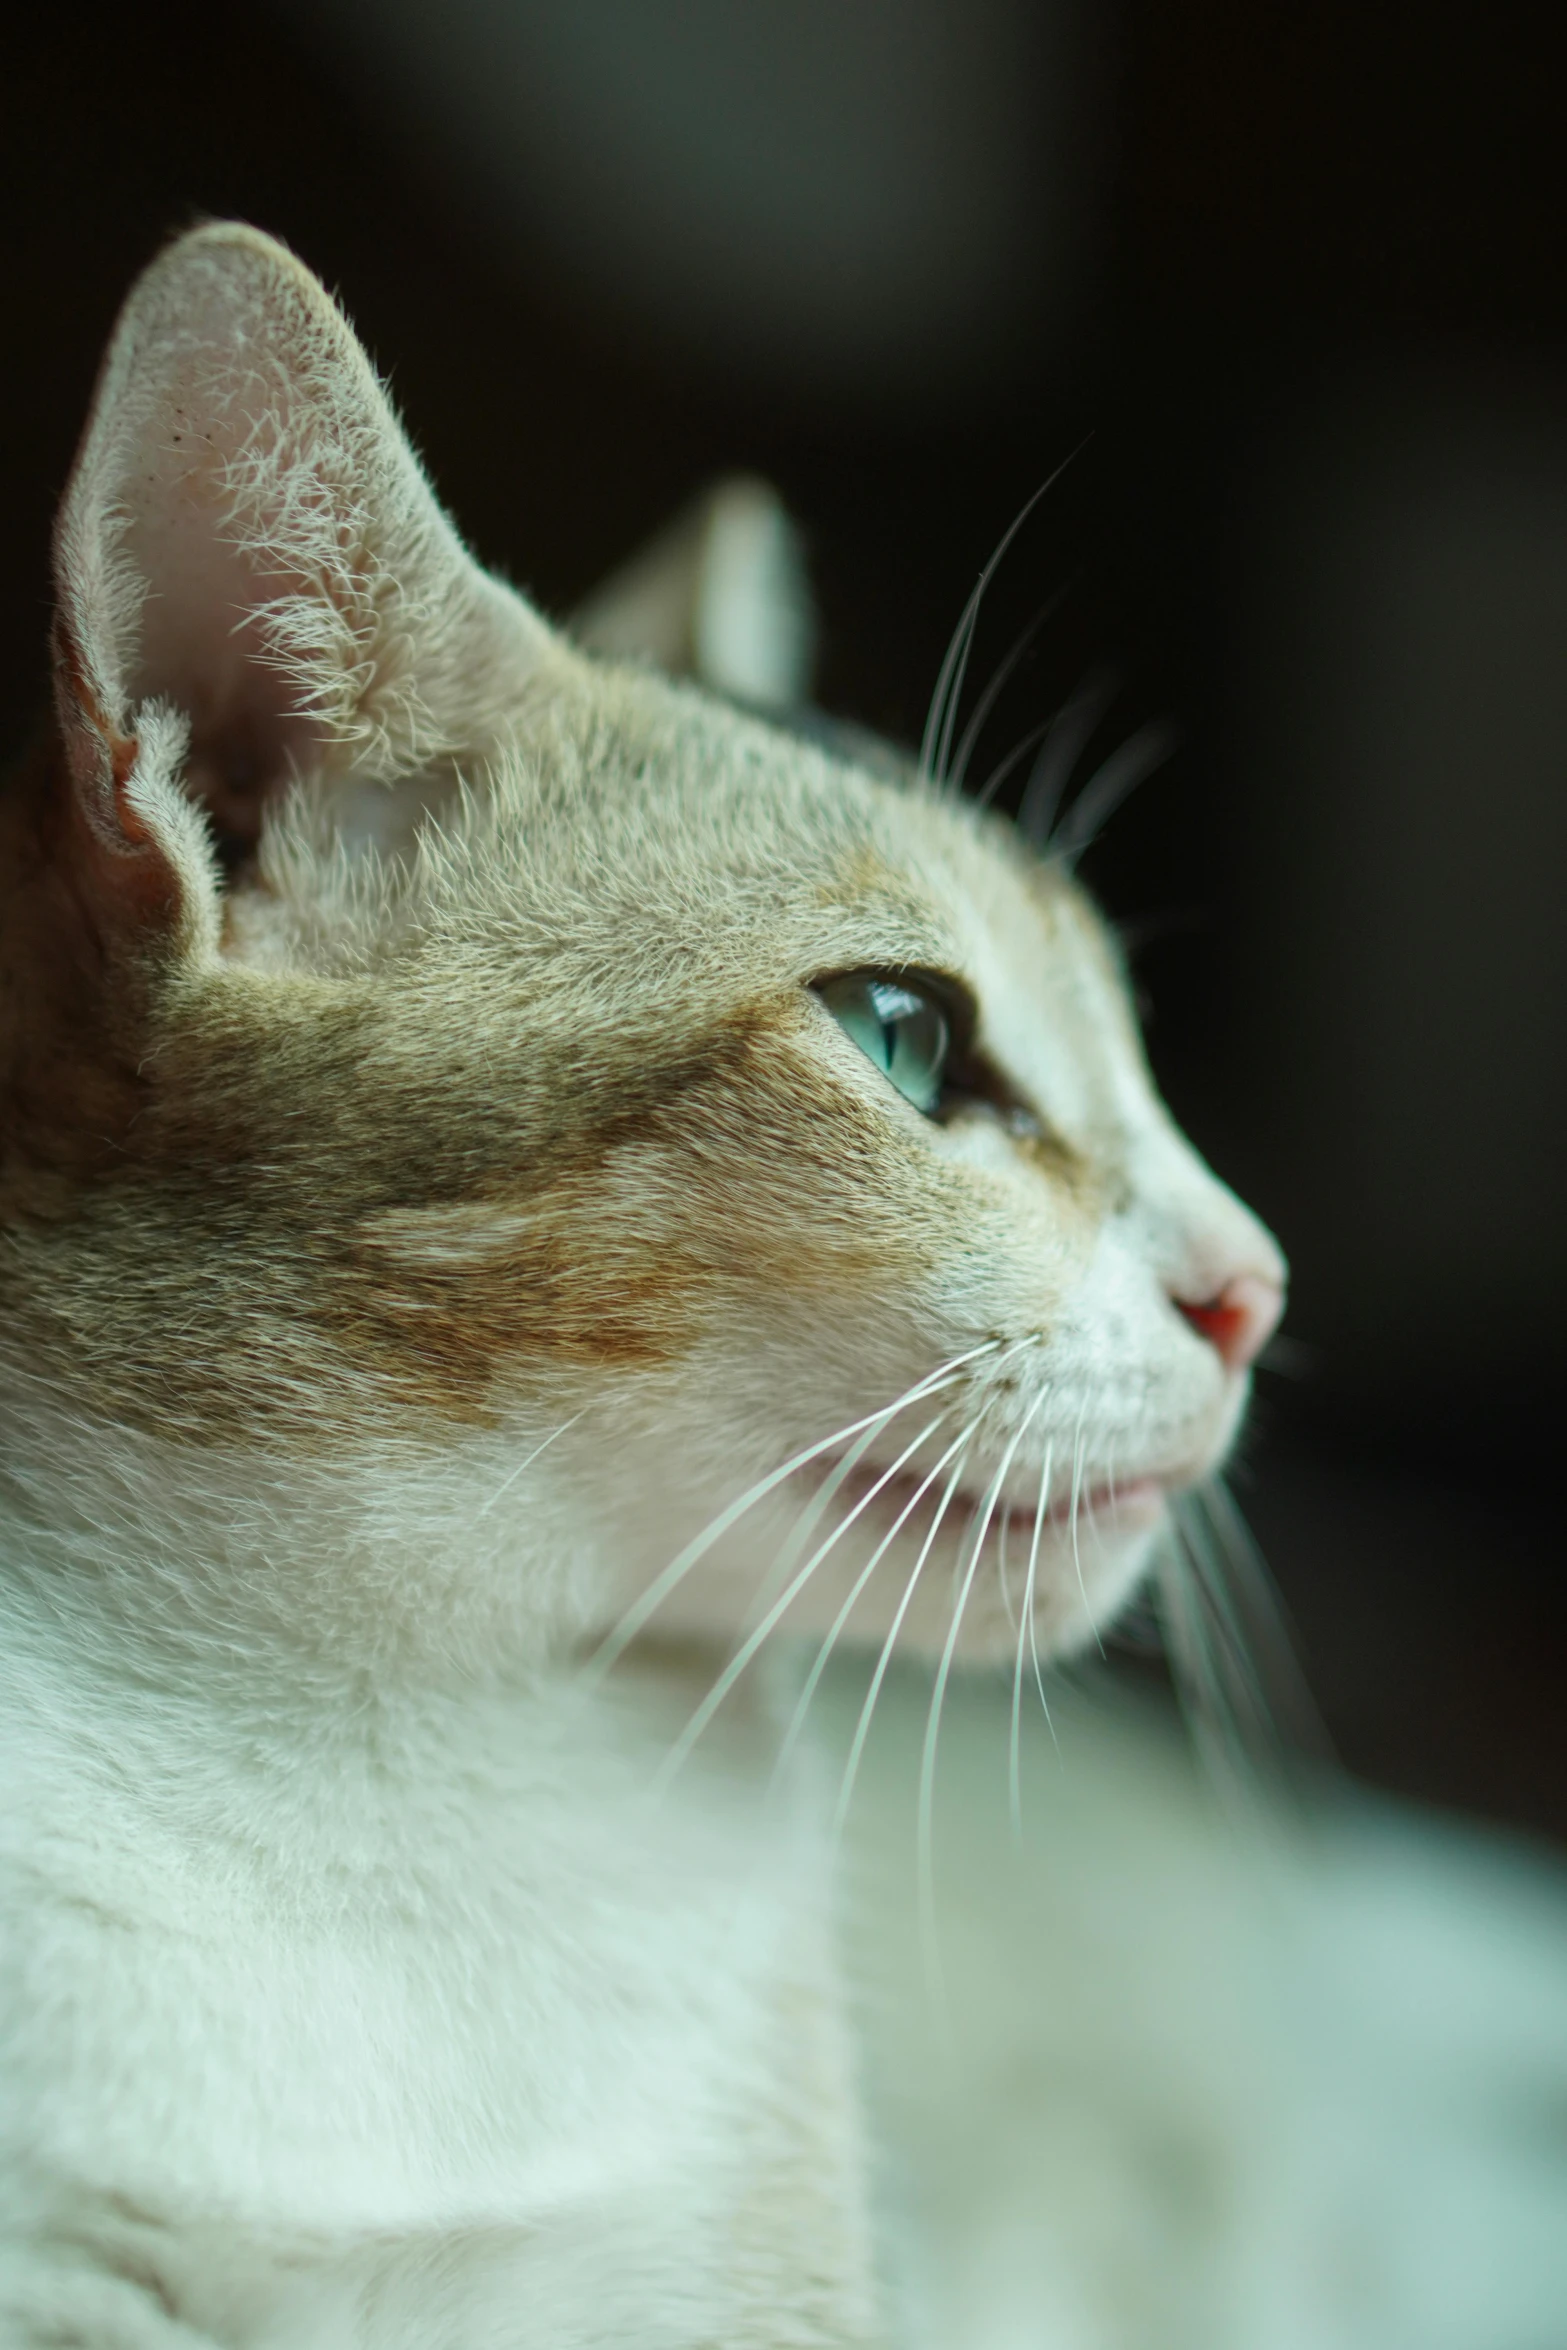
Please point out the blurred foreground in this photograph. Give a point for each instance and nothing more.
(1197, 2076)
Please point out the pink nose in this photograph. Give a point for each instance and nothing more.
(1238, 1322)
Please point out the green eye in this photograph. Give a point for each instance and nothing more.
(903, 1031)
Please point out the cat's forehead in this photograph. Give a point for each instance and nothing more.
(683, 832)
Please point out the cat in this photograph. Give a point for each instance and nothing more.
(522, 1179)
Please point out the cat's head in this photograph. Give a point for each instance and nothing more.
(474, 1114)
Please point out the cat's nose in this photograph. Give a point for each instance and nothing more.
(1240, 1319)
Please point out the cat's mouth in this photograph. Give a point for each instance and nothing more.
(909, 1499)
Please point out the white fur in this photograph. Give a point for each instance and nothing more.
(400, 2029)
(1293, 2080)
(373, 1975)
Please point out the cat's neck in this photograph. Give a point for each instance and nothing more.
(224, 1696)
(220, 1577)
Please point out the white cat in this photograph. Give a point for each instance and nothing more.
(518, 1180)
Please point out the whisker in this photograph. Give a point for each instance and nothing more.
(819, 1666)
(1291, 1701)
(1033, 1629)
(924, 1836)
(1244, 1692)
(1139, 757)
(862, 1727)
(956, 652)
(1014, 1774)
(813, 1678)
(1001, 1559)
(1089, 1512)
(999, 773)
(742, 1657)
(955, 697)
(526, 1463)
(618, 1640)
(1026, 1625)
(1077, 1554)
(1201, 1680)
(811, 1513)
(1066, 738)
(924, 1839)
(944, 701)
(969, 738)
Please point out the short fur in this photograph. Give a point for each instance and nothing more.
(431, 1192)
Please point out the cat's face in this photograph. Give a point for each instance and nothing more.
(568, 1058)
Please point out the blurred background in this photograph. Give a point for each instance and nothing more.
(1301, 273)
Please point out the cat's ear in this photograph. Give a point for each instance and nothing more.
(721, 596)
(254, 581)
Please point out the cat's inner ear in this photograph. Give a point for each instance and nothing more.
(248, 541)
(721, 595)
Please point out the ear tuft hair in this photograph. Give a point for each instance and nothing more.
(249, 540)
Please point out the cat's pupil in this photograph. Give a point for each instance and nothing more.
(903, 1031)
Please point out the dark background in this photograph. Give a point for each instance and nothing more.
(1301, 271)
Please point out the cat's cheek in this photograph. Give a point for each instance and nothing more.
(1079, 1592)
(1077, 1613)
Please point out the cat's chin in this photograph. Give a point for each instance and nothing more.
(1067, 1573)
(928, 1568)
(887, 1562)
(1099, 1512)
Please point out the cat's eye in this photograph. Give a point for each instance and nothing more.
(899, 1025)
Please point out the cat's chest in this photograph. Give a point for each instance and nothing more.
(487, 1993)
